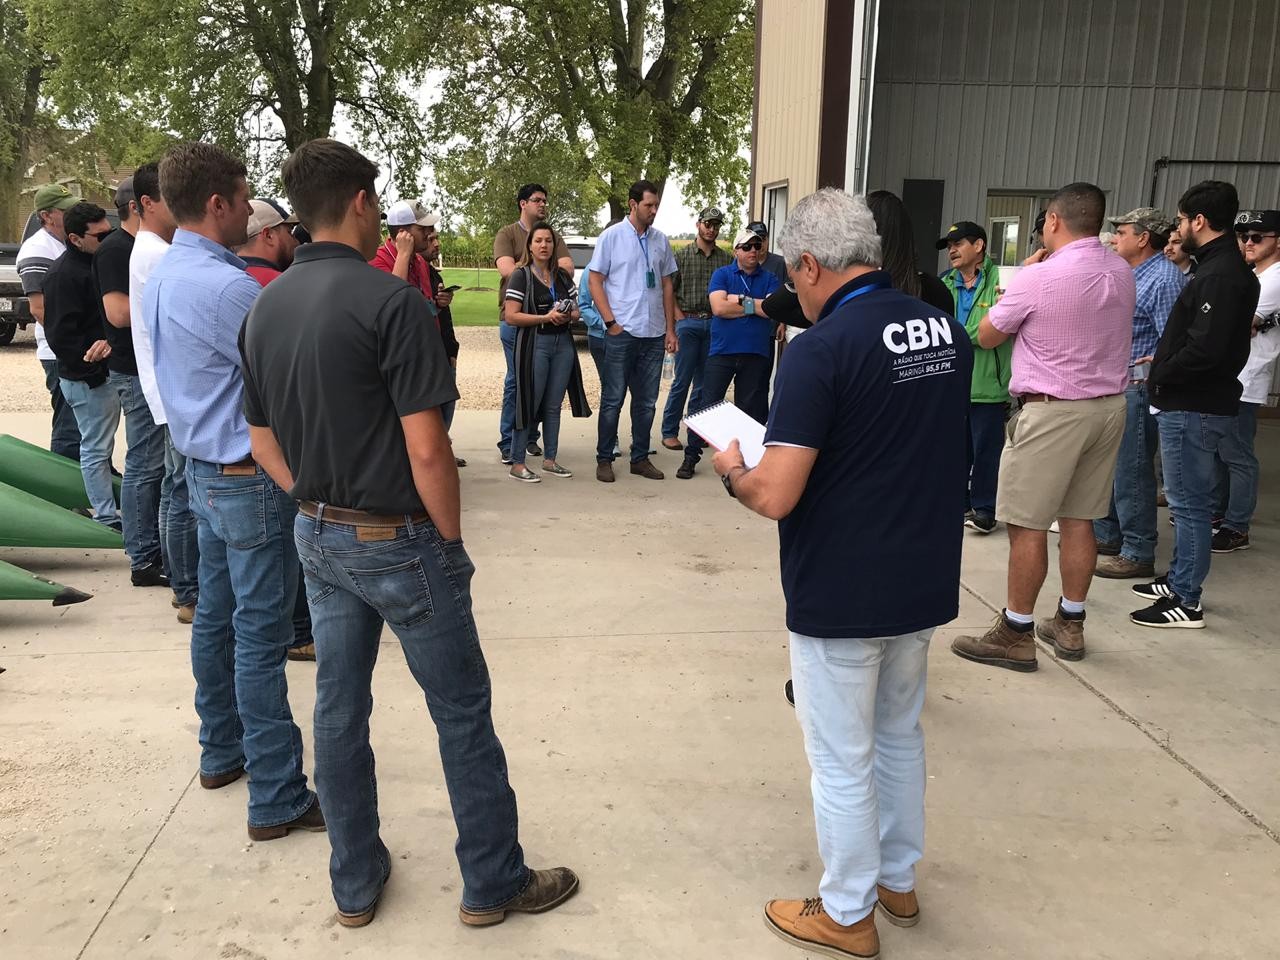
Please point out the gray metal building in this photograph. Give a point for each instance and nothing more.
(981, 108)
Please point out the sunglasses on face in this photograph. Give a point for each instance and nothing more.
(102, 235)
(755, 245)
(1255, 238)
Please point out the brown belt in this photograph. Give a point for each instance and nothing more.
(1038, 398)
(360, 518)
(241, 468)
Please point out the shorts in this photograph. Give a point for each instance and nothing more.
(1059, 460)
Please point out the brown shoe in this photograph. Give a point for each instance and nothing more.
(1066, 636)
(643, 468)
(604, 471)
(1122, 568)
(187, 613)
(365, 917)
(312, 819)
(805, 924)
(900, 909)
(222, 779)
(305, 652)
(671, 443)
(545, 890)
(1001, 646)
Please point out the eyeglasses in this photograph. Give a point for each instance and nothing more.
(537, 200)
(754, 245)
(1255, 238)
(101, 236)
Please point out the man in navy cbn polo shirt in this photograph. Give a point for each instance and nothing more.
(865, 446)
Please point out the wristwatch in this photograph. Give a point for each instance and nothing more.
(610, 324)
(728, 483)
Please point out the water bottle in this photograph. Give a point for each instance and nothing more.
(669, 367)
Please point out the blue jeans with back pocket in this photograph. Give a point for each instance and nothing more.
(407, 577)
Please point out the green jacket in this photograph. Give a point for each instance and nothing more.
(991, 368)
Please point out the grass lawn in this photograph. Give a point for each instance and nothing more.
(476, 304)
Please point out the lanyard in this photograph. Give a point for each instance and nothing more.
(747, 287)
(853, 294)
(550, 285)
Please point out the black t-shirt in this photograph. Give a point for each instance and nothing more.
(543, 297)
(880, 388)
(111, 275)
(334, 352)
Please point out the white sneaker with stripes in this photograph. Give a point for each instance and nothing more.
(1170, 613)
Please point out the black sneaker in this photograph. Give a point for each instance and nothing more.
(981, 522)
(152, 575)
(789, 691)
(1157, 589)
(1170, 613)
(1227, 540)
(685, 470)
(533, 449)
(506, 458)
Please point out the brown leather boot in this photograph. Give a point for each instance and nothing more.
(1001, 646)
(645, 468)
(806, 924)
(1065, 635)
(900, 909)
(311, 819)
(546, 889)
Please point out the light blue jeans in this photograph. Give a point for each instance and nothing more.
(97, 411)
(859, 703)
(552, 367)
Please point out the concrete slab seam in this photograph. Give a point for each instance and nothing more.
(1182, 761)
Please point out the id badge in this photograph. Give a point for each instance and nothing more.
(649, 279)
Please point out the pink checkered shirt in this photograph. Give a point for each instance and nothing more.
(1072, 314)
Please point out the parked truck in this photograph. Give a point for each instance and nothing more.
(14, 310)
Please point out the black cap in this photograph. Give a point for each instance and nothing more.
(962, 230)
(759, 228)
(1040, 218)
(1268, 221)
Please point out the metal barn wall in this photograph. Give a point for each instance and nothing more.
(1028, 95)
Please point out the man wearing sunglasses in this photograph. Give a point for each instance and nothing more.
(76, 330)
(1237, 490)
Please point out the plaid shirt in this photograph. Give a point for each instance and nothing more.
(1159, 282)
(694, 276)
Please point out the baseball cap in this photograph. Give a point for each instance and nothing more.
(54, 196)
(124, 193)
(745, 235)
(759, 228)
(1268, 221)
(962, 230)
(1147, 219)
(711, 215)
(268, 213)
(405, 213)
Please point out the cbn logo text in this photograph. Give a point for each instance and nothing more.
(917, 334)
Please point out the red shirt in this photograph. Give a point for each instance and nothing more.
(261, 270)
(419, 276)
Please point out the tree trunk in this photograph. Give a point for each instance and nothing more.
(11, 177)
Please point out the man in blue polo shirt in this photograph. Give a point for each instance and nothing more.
(865, 446)
(741, 339)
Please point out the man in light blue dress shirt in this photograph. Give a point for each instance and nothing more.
(194, 304)
(630, 277)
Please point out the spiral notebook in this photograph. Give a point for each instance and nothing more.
(723, 423)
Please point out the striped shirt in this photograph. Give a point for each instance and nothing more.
(36, 255)
(694, 277)
(1159, 282)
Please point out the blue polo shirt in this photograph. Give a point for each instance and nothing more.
(879, 386)
(742, 334)
(965, 295)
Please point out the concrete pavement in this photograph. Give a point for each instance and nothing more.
(1123, 807)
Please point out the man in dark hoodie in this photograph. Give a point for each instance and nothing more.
(1195, 391)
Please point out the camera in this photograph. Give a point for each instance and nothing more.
(1269, 321)
(564, 306)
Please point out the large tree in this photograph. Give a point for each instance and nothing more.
(22, 69)
(606, 90)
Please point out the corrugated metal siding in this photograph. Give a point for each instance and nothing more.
(1025, 95)
(790, 69)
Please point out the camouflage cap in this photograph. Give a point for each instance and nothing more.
(1147, 220)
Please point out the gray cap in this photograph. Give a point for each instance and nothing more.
(1146, 219)
(124, 193)
(711, 215)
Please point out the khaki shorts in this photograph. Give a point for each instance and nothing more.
(1059, 460)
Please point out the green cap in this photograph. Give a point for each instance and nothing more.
(54, 196)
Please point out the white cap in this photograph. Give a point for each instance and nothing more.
(744, 236)
(267, 213)
(405, 213)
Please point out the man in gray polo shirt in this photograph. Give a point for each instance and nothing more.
(630, 277)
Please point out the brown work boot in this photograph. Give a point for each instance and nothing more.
(1001, 646)
(312, 819)
(1122, 568)
(1065, 633)
(604, 471)
(900, 909)
(545, 890)
(222, 779)
(805, 924)
(186, 613)
(643, 468)
(306, 651)
(365, 917)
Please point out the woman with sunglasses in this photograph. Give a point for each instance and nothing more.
(541, 302)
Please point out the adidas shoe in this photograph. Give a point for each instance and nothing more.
(1157, 589)
(1170, 613)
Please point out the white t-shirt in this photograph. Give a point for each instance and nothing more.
(148, 250)
(1264, 349)
(36, 255)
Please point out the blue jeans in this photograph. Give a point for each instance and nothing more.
(243, 626)
(97, 412)
(596, 346)
(1132, 520)
(635, 364)
(749, 374)
(694, 334)
(143, 473)
(420, 585)
(64, 438)
(507, 422)
(1189, 442)
(858, 703)
(178, 537)
(552, 365)
(1236, 487)
(986, 443)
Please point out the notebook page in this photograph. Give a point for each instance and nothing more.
(722, 424)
